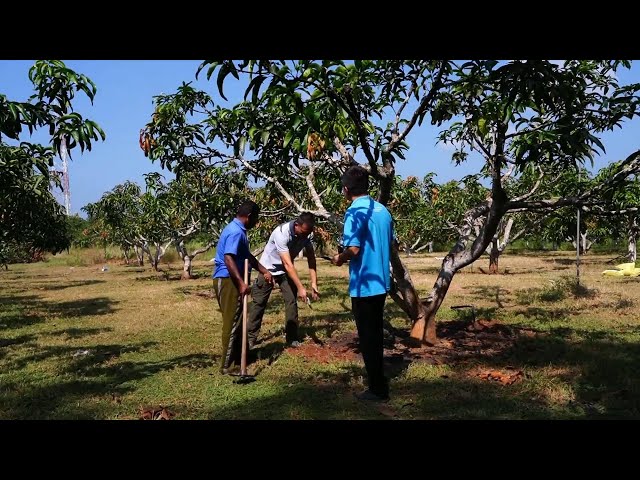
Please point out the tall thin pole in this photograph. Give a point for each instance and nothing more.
(65, 175)
(243, 358)
(578, 238)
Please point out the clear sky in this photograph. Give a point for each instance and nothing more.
(123, 105)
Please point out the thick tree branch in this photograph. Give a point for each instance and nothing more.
(272, 180)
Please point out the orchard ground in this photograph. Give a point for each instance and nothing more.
(78, 341)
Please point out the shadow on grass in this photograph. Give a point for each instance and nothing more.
(545, 314)
(62, 284)
(492, 293)
(75, 333)
(22, 311)
(98, 373)
(601, 374)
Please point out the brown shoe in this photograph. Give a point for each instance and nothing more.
(369, 396)
(232, 370)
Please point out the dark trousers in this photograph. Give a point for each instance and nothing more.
(260, 293)
(368, 313)
(230, 304)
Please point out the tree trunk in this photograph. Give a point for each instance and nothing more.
(424, 328)
(139, 255)
(408, 299)
(187, 273)
(186, 268)
(186, 260)
(585, 245)
(632, 238)
(461, 255)
(494, 255)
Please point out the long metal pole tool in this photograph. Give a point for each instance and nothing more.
(244, 377)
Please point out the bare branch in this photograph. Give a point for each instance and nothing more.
(481, 146)
(424, 104)
(352, 110)
(534, 188)
(630, 166)
(203, 249)
(508, 172)
(272, 180)
(531, 130)
(312, 188)
(401, 302)
(274, 213)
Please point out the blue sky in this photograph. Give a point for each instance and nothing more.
(123, 105)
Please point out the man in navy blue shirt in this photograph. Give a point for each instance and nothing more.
(228, 282)
(367, 239)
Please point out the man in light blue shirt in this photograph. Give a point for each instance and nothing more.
(367, 239)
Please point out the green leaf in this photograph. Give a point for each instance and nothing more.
(482, 126)
(265, 136)
(254, 87)
(224, 71)
(296, 123)
(287, 139)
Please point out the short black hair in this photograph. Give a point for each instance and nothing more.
(356, 179)
(246, 208)
(306, 218)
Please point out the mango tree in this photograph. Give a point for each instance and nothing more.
(116, 218)
(618, 214)
(306, 117)
(30, 216)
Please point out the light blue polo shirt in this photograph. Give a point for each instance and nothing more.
(233, 239)
(368, 225)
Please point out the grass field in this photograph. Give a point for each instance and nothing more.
(77, 342)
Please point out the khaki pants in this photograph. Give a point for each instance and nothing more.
(230, 304)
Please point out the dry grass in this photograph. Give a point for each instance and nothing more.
(77, 342)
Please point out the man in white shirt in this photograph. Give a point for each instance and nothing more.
(284, 245)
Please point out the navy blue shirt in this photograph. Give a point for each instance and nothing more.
(368, 225)
(233, 240)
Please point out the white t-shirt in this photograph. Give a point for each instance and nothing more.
(282, 239)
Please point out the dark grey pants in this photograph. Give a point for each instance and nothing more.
(260, 292)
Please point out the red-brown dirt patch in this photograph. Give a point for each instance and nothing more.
(457, 342)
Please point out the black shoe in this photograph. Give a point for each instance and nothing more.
(291, 332)
(369, 396)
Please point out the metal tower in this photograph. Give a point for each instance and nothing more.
(65, 176)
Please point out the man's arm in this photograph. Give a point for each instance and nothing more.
(311, 260)
(352, 233)
(258, 266)
(293, 275)
(238, 281)
(348, 254)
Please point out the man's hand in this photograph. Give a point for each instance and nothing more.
(315, 294)
(268, 278)
(302, 294)
(336, 260)
(244, 289)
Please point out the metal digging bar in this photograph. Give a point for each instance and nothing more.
(243, 378)
(472, 307)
